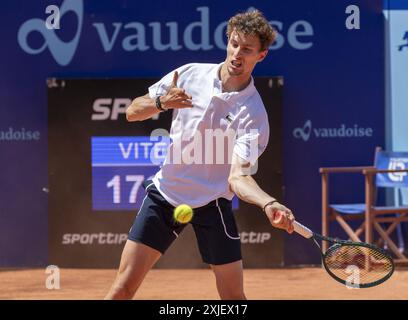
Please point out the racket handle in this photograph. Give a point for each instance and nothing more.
(302, 230)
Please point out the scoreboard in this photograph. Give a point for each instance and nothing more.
(119, 167)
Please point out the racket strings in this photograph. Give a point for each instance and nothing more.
(357, 263)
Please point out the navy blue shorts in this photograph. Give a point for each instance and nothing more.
(214, 226)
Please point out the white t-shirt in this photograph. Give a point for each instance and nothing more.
(196, 171)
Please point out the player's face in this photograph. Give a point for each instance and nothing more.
(243, 53)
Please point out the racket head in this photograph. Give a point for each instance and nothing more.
(347, 260)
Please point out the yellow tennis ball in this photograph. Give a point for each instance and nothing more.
(183, 213)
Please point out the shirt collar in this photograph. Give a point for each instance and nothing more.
(235, 96)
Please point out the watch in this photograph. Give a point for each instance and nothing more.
(159, 105)
(270, 202)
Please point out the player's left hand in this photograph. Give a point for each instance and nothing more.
(280, 217)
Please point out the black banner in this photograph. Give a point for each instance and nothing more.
(96, 168)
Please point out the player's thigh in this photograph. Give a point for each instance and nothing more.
(154, 225)
(217, 234)
(137, 259)
(229, 276)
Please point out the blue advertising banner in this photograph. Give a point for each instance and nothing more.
(330, 53)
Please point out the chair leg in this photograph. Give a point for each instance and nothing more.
(395, 224)
(368, 231)
(360, 229)
(401, 244)
(390, 243)
(347, 228)
(368, 204)
(326, 211)
(369, 234)
(388, 232)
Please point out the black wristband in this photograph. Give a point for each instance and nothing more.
(270, 202)
(159, 105)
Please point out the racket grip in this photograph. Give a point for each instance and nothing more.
(302, 230)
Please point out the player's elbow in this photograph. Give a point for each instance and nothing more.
(232, 181)
(238, 184)
(128, 115)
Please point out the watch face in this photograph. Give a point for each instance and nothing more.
(159, 105)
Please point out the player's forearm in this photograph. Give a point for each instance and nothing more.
(246, 188)
(141, 108)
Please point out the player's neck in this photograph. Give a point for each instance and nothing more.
(232, 83)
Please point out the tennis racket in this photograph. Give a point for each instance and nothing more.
(354, 264)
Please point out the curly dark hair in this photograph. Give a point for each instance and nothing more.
(253, 23)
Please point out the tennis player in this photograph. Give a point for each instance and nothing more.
(205, 97)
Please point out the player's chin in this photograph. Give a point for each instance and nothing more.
(235, 71)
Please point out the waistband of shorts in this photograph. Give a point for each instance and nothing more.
(211, 204)
(215, 203)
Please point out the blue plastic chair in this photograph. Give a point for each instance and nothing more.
(390, 171)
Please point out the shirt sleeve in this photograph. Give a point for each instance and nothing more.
(163, 85)
(252, 139)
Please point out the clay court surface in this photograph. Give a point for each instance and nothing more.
(198, 284)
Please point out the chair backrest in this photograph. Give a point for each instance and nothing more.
(392, 160)
(403, 197)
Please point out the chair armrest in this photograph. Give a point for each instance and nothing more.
(344, 169)
(371, 171)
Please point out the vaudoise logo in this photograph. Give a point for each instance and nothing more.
(63, 52)
(132, 36)
(306, 132)
(397, 164)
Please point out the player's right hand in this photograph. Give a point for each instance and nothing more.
(176, 98)
(280, 217)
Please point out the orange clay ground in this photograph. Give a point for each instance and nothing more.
(197, 284)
